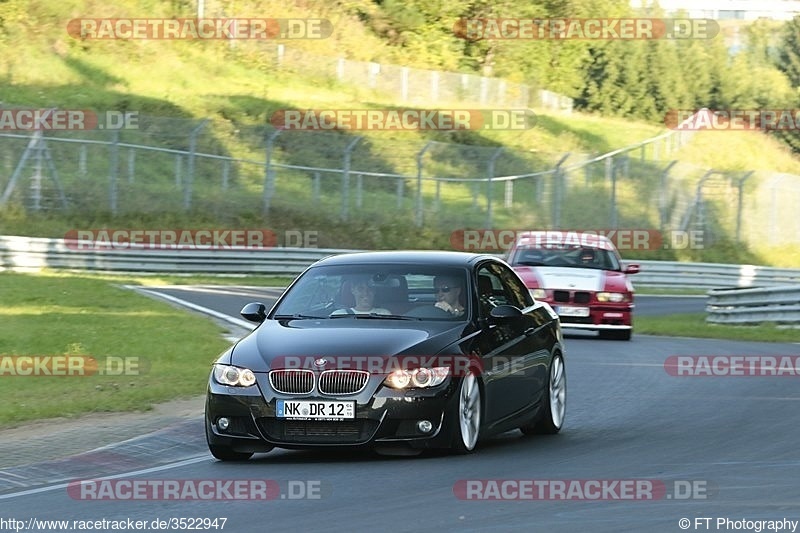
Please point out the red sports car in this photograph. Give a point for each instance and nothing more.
(581, 275)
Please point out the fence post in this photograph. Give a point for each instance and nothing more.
(508, 197)
(348, 151)
(662, 197)
(226, 166)
(490, 176)
(112, 172)
(315, 188)
(178, 171)
(187, 192)
(131, 164)
(82, 161)
(359, 190)
(740, 186)
(557, 184)
(269, 174)
(613, 217)
(418, 215)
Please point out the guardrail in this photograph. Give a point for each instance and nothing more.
(34, 253)
(754, 306)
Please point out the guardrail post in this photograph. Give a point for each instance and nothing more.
(740, 187)
(348, 152)
(359, 190)
(187, 192)
(490, 175)
(226, 167)
(418, 210)
(269, 174)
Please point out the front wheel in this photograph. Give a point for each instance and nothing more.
(225, 453)
(469, 415)
(556, 407)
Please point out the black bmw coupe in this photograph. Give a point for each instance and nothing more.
(413, 350)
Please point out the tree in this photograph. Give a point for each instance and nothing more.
(789, 51)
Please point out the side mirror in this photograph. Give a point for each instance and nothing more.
(632, 269)
(254, 312)
(505, 312)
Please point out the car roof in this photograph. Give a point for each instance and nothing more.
(420, 257)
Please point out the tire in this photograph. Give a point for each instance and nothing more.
(226, 453)
(467, 415)
(555, 410)
(617, 334)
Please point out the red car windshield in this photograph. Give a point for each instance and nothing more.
(566, 256)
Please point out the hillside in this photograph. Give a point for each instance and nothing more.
(238, 86)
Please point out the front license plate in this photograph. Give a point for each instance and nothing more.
(572, 311)
(315, 410)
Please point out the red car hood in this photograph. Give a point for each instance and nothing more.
(577, 279)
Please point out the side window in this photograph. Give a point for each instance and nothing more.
(516, 292)
(490, 290)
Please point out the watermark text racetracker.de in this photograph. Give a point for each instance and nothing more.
(199, 28)
(704, 523)
(733, 119)
(198, 489)
(475, 29)
(54, 119)
(403, 119)
(489, 240)
(583, 489)
(188, 239)
(72, 366)
(733, 365)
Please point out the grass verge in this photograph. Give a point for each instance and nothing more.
(695, 325)
(83, 315)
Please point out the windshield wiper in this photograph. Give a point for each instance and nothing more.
(530, 263)
(296, 316)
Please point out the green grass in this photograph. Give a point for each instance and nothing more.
(694, 325)
(79, 315)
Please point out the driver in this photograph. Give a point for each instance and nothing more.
(364, 293)
(448, 294)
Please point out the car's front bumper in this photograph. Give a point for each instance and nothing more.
(387, 417)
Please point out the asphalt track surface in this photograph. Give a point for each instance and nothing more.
(717, 447)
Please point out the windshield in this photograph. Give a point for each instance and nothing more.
(383, 292)
(570, 256)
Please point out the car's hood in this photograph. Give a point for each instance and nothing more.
(296, 343)
(579, 279)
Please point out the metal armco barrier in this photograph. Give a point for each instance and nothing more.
(33, 253)
(754, 306)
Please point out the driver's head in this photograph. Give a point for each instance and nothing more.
(587, 255)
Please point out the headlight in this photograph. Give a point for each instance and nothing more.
(234, 376)
(611, 297)
(538, 294)
(418, 378)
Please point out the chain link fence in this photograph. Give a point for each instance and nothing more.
(181, 165)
